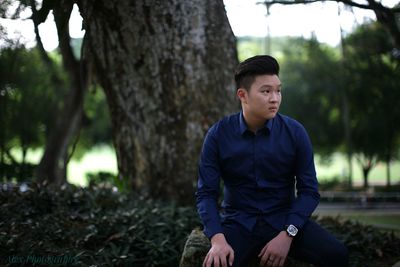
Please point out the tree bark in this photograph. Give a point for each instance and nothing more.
(167, 71)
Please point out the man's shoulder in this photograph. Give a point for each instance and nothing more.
(289, 121)
(228, 122)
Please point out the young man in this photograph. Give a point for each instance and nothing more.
(262, 157)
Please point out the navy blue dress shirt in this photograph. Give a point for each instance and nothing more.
(260, 172)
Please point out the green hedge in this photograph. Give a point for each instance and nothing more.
(90, 226)
(98, 226)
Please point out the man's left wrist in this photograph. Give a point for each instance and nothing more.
(291, 230)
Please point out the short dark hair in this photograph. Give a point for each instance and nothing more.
(247, 70)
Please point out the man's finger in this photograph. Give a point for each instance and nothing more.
(263, 250)
(281, 262)
(223, 262)
(205, 261)
(231, 257)
(264, 259)
(275, 262)
(216, 261)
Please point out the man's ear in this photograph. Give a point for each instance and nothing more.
(241, 94)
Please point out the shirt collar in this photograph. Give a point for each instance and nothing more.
(243, 125)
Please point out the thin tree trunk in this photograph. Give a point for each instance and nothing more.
(365, 176)
(347, 134)
(388, 178)
(167, 70)
(388, 160)
(3, 102)
(346, 112)
(53, 164)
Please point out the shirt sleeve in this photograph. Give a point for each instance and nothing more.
(306, 182)
(208, 185)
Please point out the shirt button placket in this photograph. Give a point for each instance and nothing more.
(255, 160)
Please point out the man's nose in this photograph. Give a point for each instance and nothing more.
(274, 97)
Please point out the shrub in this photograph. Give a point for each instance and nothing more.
(91, 226)
(97, 226)
(368, 246)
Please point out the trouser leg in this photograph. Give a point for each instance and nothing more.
(315, 245)
(239, 238)
(245, 244)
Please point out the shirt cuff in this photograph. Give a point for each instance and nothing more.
(296, 220)
(211, 231)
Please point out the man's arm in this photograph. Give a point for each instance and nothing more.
(306, 182)
(207, 195)
(274, 253)
(207, 198)
(208, 185)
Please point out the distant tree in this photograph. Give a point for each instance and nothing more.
(311, 91)
(53, 164)
(373, 80)
(24, 83)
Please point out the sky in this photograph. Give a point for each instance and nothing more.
(247, 18)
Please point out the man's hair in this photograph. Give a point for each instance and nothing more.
(250, 68)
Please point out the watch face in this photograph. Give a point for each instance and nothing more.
(292, 230)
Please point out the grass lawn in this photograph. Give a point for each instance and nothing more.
(384, 221)
(337, 166)
(103, 158)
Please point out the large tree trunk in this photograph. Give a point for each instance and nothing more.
(167, 71)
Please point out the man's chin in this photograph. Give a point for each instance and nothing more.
(270, 115)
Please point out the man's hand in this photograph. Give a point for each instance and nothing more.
(220, 250)
(274, 253)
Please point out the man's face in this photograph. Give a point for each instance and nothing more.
(263, 99)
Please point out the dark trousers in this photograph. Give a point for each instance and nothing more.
(313, 244)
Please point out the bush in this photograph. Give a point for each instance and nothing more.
(102, 227)
(91, 226)
(368, 246)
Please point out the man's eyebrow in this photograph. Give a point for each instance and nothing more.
(269, 86)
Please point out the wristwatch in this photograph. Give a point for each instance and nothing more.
(291, 230)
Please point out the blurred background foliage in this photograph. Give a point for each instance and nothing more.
(315, 76)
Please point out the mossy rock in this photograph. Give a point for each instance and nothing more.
(197, 246)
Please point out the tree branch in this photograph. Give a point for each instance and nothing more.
(371, 6)
(385, 15)
(56, 80)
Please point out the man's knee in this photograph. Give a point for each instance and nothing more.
(336, 255)
(342, 254)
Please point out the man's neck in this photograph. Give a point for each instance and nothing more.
(253, 124)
